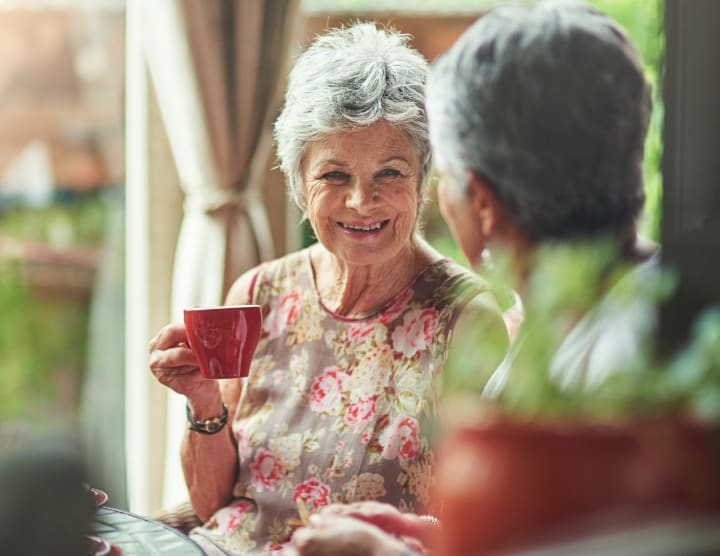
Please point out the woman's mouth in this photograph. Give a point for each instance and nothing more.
(363, 227)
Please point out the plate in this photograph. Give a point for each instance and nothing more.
(97, 546)
(99, 496)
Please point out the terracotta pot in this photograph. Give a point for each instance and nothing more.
(509, 484)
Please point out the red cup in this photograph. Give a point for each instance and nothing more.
(224, 338)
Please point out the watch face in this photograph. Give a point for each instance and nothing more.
(212, 425)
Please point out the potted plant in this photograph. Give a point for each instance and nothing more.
(559, 452)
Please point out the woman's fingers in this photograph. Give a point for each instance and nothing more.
(330, 535)
(385, 516)
(172, 358)
(175, 372)
(357, 508)
(168, 336)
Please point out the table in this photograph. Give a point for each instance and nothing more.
(136, 535)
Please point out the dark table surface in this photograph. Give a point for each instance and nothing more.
(135, 535)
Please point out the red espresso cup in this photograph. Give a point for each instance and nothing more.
(224, 338)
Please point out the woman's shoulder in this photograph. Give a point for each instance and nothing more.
(448, 280)
(273, 273)
(291, 263)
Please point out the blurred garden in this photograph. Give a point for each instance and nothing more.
(48, 259)
(61, 173)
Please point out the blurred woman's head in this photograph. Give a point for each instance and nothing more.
(547, 109)
(348, 79)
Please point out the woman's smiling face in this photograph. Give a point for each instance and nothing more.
(361, 191)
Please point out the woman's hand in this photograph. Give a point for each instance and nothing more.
(209, 460)
(174, 365)
(385, 516)
(329, 535)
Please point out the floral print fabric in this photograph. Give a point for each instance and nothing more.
(333, 409)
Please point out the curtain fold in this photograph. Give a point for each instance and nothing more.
(218, 68)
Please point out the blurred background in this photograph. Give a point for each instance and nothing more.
(68, 250)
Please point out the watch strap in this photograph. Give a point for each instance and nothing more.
(210, 425)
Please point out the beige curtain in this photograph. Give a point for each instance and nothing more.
(218, 68)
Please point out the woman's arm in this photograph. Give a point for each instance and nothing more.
(478, 344)
(209, 461)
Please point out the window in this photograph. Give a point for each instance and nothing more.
(61, 214)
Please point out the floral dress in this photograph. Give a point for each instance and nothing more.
(334, 408)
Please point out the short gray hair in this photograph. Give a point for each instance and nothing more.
(348, 78)
(551, 107)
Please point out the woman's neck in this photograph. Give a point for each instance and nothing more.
(361, 290)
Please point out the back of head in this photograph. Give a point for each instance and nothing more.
(551, 107)
(348, 78)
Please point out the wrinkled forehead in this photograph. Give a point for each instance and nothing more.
(377, 143)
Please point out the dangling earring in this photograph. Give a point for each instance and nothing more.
(486, 260)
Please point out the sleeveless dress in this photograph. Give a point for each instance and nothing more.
(336, 409)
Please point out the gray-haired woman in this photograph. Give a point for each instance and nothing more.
(355, 327)
(540, 142)
(537, 122)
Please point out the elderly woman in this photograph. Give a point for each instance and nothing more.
(537, 120)
(356, 327)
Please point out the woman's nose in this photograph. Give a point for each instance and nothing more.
(362, 194)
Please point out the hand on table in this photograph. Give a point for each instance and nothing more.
(385, 516)
(329, 535)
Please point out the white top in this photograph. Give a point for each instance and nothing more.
(609, 339)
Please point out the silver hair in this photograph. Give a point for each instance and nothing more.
(550, 107)
(348, 78)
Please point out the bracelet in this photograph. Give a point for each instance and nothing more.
(207, 426)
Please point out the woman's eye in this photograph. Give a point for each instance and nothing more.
(389, 173)
(334, 176)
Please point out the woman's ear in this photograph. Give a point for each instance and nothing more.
(485, 204)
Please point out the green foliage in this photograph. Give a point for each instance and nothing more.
(43, 334)
(80, 223)
(42, 345)
(695, 373)
(643, 22)
(569, 287)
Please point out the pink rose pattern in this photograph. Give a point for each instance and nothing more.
(400, 439)
(398, 307)
(265, 470)
(284, 314)
(361, 411)
(326, 390)
(312, 493)
(318, 414)
(359, 332)
(416, 332)
(229, 519)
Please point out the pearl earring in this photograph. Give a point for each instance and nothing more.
(486, 259)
